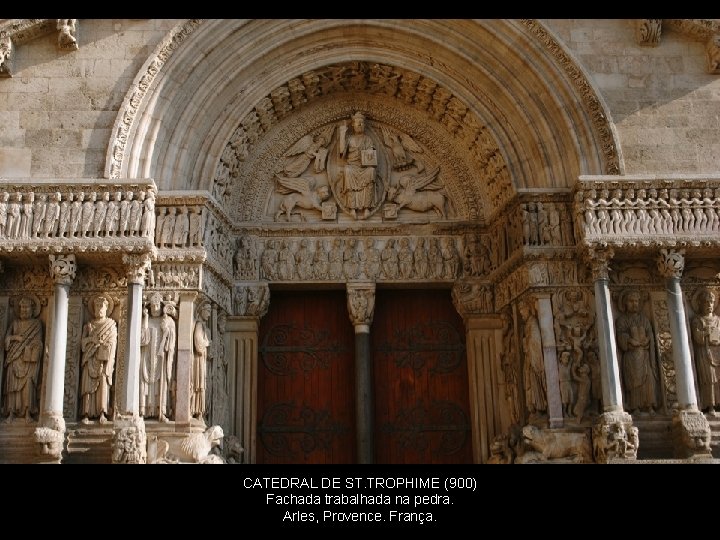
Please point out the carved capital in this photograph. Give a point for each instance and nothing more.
(648, 32)
(671, 263)
(136, 267)
(361, 303)
(599, 262)
(62, 269)
(472, 297)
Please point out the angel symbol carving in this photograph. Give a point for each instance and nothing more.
(300, 192)
(404, 150)
(310, 148)
(419, 193)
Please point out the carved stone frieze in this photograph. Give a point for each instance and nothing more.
(100, 278)
(648, 212)
(416, 258)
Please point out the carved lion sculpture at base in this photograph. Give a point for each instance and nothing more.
(546, 445)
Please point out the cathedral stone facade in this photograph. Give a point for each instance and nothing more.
(359, 241)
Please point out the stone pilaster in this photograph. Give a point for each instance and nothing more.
(50, 433)
(361, 307)
(691, 430)
(552, 376)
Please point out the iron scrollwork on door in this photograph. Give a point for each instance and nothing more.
(443, 427)
(286, 428)
(437, 345)
(286, 344)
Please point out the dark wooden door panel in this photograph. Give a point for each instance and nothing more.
(422, 410)
(306, 410)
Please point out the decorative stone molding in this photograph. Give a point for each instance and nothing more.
(361, 303)
(15, 32)
(671, 263)
(137, 267)
(62, 269)
(614, 437)
(141, 84)
(648, 32)
(647, 211)
(589, 98)
(691, 434)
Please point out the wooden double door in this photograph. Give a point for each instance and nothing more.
(306, 379)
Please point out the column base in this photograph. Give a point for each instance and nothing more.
(614, 437)
(691, 435)
(129, 440)
(50, 435)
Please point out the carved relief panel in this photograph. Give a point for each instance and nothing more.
(353, 169)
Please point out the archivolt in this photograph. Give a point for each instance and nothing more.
(505, 86)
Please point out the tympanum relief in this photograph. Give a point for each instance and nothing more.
(351, 170)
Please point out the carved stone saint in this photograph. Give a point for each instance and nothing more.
(638, 362)
(23, 353)
(98, 344)
(705, 327)
(534, 368)
(201, 342)
(157, 357)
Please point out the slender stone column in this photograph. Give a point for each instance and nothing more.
(129, 442)
(51, 426)
(614, 436)
(609, 364)
(361, 306)
(691, 430)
